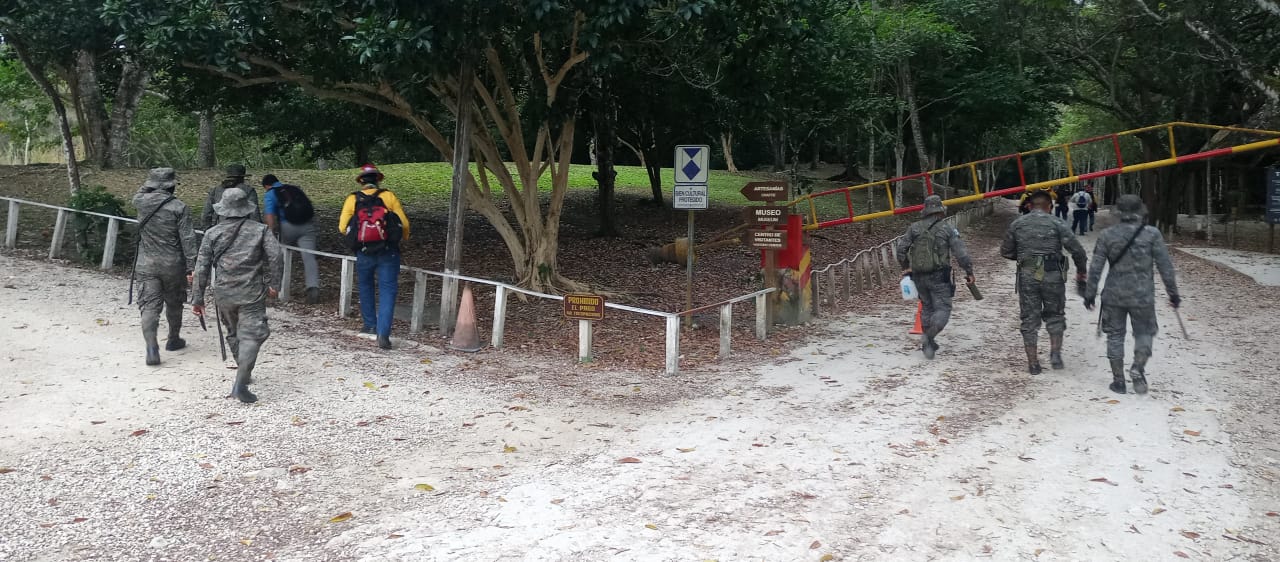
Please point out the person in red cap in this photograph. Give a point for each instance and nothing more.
(374, 223)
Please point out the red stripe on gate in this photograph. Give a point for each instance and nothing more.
(1205, 154)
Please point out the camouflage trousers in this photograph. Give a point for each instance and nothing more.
(1042, 301)
(246, 326)
(157, 293)
(1145, 328)
(936, 291)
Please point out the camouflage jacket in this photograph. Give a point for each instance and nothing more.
(167, 243)
(1129, 281)
(210, 218)
(945, 232)
(1037, 234)
(250, 262)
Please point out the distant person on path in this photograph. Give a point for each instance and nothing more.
(289, 214)
(166, 254)
(1063, 202)
(374, 223)
(925, 254)
(1132, 250)
(246, 260)
(1036, 240)
(235, 179)
(1093, 206)
(1080, 202)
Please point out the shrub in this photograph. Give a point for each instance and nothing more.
(90, 231)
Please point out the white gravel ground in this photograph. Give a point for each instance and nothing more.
(853, 447)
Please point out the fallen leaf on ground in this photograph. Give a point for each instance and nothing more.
(138, 432)
(651, 526)
(774, 533)
(206, 465)
(1158, 511)
(235, 422)
(46, 477)
(163, 389)
(683, 450)
(557, 501)
(297, 421)
(904, 512)
(1273, 514)
(298, 469)
(757, 444)
(1227, 486)
(395, 536)
(1180, 554)
(508, 449)
(518, 409)
(827, 557)
(1191, 432)
(1113, 401)
(80, 520)
(424, 487)
(344, 516)
(1191, 534)
(98, 422)
(246, 542)
(370, 386)
(426, 361)
(628, 460)
(1038, 551)
(7, 470)
(957, 498)
(816, 545)
(1103, 480)
(1177, 409)
(246, 455)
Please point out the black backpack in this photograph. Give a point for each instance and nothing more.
(294, 204)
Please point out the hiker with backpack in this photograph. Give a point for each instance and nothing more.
(241, 259)
(925, 253)
(374, 223)
(235, 179)
(1093, 206)
(1036, 240)
(1080, 203)
(289, 214)
(1132, 250)
(166, 254)
(1063, 203)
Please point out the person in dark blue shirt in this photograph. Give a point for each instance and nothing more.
(289, 214)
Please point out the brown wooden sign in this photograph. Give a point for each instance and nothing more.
(766, 191)
(583, 307)
(767, 239)
(767, 216)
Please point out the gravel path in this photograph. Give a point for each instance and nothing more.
(852, 446)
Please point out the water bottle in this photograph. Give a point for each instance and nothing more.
(909, 292)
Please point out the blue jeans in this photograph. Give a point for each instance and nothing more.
(386, 267)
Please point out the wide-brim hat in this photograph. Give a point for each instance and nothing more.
(161, 178)
(932, 205)
(1131, 205)
(236, 171)
(235, 203)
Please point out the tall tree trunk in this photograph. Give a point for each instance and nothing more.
(458, 201)
(913, 112)
(726, 143)
(133, 83)
(94, 123)
(778, 142)
(362, 150)
(602, 120)
(899, 153)
(653, 168)
(64, 126)
(206, 152)
(817, 154)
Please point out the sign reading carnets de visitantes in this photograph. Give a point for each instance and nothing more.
(583, 307)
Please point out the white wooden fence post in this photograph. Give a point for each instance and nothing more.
(848, 290)
(11, 228)
(673, 344)
(419, 302)
(726, 330)
(109, 245)
(344, 294)
(584, 340)
(816, 279)
(286, 279)
(762, 316)
(59, 229)
(499, 316)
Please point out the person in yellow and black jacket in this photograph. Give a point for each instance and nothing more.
(374, 223)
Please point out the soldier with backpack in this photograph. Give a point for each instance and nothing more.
(235, 179)
(925, 253)
(166, 254)
(244, 260)
(1131, 250)
(1036, 240)
(289, 214)
(374, 223)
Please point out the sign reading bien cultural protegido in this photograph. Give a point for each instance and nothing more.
(583, 307)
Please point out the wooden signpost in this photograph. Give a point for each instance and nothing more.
(584, 308)
(763, 236)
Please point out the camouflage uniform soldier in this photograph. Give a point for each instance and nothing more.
(235, 179)
(166, 254)
(246, 257)
(1036, 241)
(1131, 249)
(925, 254)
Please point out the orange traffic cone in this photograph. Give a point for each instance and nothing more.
(917, 330)
(466, 335)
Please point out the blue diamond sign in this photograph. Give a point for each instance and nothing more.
(692, 163)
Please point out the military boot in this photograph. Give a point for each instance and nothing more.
(1138, 374)
(150, 325)
(174, 343)
(1033, 360)
(313, 295)
(1117, 376)
(240, 389)
(153, 355)
(1055, 351)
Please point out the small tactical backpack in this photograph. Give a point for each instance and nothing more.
(928, 253)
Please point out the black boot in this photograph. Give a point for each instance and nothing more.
(150, 325)
(1033, 360)
(384, 342)
(1055, 352)
(1117, 376)
(174, 343)
(1138, 374)
(153, 355)
(313, 295)
(241, 392)
(244, 372)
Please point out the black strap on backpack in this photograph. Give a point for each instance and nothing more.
(137, 246)
(1125, 249)
(230, 243)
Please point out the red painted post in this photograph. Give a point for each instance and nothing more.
(928, 183)
(1022, 174)
(1115, 142)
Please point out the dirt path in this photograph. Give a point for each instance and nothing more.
(852, 446)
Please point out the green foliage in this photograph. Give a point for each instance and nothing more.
(24, 110)
(90, 231)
